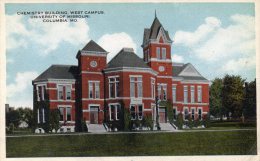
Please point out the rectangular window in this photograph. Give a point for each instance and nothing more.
(114, 87)
(40, 91)
(200, 114)
(159, 90)
(139, 87)
(153, 88)
(174, 113)
(68, 114)
(186, 114)
(61, 113)
(192, 94)
(140, 112)
(68, 92)
(132, 112)
(43, 115)
(136, 84)
(164, 88)
(185, 93)
(193, 114)
(118, 112)
(60, 92)
(90, 89)
(199, 94)
(97, 90)
(164, 53)
(173, 93)
(158, 53)
(112, 112)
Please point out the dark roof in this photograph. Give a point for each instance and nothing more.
(177, 68)
(59, 72)
(93, 46)
(152, 33)
(127, 58)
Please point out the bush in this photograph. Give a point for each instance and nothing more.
(127, 120)
(179, 121)
(84, 126)
(148, 122)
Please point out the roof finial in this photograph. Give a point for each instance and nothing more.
(155, 16)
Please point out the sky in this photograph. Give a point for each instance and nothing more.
(217, 38)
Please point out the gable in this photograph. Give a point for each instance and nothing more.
(189, 70)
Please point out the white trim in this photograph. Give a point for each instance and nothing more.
(88, 72)
(93, 53)
(183, 110)
(113, 76)
(160, 60)
(194, 112)
(38, 115)
(43, 116)
(92, 99)
(54, 89)
(164, 76)
(109, 110)
(62, 100)
(131, 69)
(147, 109)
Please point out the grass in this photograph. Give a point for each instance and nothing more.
(134, 144)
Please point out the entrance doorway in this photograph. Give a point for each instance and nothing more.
(162, 115)
(94, 114)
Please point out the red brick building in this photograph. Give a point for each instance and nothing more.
(95, 91)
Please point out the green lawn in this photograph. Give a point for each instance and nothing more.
(135, 144)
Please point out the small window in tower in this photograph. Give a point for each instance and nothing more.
(158, 53)
(163, 53)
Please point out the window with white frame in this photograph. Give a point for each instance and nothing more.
(68, 92)
(185, 94)
(192, 94)
(41, 115)
(186, 113)
(113, 87)
(199, 94)
(60, 92)
(174, 93)
(114, 111)
(90, 89)
(97, 90)
(158, 52)
(193, 113)
(41, 91)
(153, 87)
(199, 113)
(93, 89)
(164, 53)
(65, 113)
(68, 113)
(136, 111)
(162, 91)
(136, 84)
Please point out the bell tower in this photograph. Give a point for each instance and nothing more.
(157, 48)
(157, 54)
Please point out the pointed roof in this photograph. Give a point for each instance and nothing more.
(153, 31)
(186, 72)
(58, 72)
(127, 58)
(93, 46)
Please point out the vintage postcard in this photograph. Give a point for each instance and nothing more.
(139, 80)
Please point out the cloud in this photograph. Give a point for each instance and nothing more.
(230, 46)
(113, 43)
(177, 58)
(236, 65)
(48, 36)
(23, 81)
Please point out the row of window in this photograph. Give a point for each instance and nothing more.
(160, 54)
(41, 91)
(185, 94)
(136, 112)
(188, 114)
(63, 93)
(65, 113)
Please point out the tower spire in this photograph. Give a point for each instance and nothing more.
(155, 16)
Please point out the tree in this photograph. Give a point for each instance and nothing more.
(13, 117)
(233, 95)
(26, 115)
(249, 108)
(215, 98)
(55, 119)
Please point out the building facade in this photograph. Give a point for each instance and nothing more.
(95, 90)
